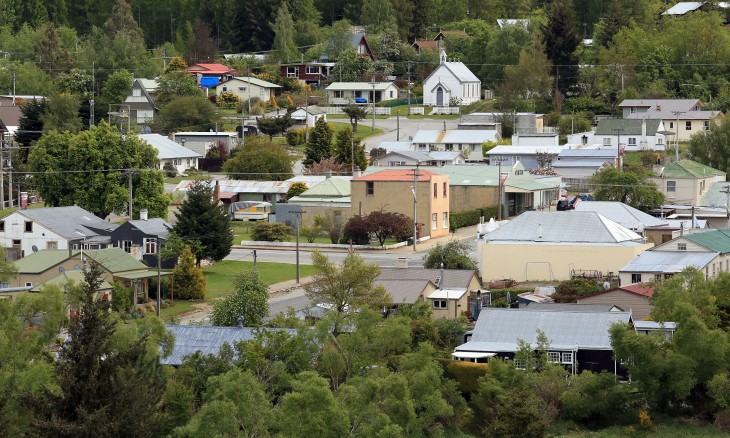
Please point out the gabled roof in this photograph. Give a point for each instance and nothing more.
(207, 340)
(668, 262)
(628, 127)
(524, 150)
(41, 261)
(212, 69)
(405, 291)
(149, 85)
(499, 330)
(669, 104)
(166, 148)
(346, 86)
(251, 80)
(504, 22)
(240, 186)
(587, 153)
(572, 307)
(115, 260)
(714, 240)
(75, 276)
(331, 187)
(682, 8)
(396, 175)
(453, 278)
(458, 69)
(426, 44)
(573, 227)
(689, 169)
(437, 136)
(10, 115)
(641, 289)
(621, 213)
(66, 220)
(358, 37)
(152, 227)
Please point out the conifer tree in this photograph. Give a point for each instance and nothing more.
(319, 145)
(346, 147)
(188, 278)
(561, 39)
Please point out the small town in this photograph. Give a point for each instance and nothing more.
(365, 218)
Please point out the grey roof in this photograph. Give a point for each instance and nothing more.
(346, 86)
(444, 155)
(668, 262)
(578, 163)
(460, 71)
(413, 155)
(207, 339)
(669, 104)
(682, 8)
(713, 197)
(593, 154)
(454, 136)
(66, 220)
(586, 227)
(524, 150)
(453, 278)
(628, 126)
(404, 291)
(665, 109)
(392, 146)
(240, 186)
(572, 307)
(154, 226)
(251, 80)
(168, 149)
(499, 330)
(621, 213)
(654, 325)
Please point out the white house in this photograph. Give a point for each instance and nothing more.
(307, 117)
(685, 117)
(630, 134)
(168, 151)
(451, 82)
(529, 156)
(140, 102)
(248, 87)
(412, 158)
(26, 231)
(201, 141)
(345, 93)
(468, 141)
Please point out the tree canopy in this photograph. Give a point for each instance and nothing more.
(452, 255)
(632, 188)
(259, 159)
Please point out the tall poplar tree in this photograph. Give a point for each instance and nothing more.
(283, 29)
(561, 39)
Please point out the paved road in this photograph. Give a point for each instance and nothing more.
(382, 258)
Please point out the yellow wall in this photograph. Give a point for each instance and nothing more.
(510, 260)
(465, 198)
(453, 309)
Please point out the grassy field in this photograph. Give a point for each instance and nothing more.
(242, 231)
(364, 129)
(202, 175)
(220, 282)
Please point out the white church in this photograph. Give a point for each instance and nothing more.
(452, 83)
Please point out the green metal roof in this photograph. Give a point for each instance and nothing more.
(689, 169)
(72, 276)
(115, 260)
(145, 274)
(715, 196)
(41, 261)
(629, 126)
(329, 188)
(715, 240)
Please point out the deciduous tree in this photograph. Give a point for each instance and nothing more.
(355, 113)
(193, 113)
(248, 300)
(259, 159)
(631, 188)
(452, 255)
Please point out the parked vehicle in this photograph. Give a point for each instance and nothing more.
(584, 196)
(249, 210)
(361, 100)
(565, 205)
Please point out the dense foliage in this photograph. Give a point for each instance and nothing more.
(248, 301)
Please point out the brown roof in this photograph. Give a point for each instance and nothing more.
(426, 44)
(404, 291)
(10, 115)
(397, 175)
(453, 278)
(642, 289)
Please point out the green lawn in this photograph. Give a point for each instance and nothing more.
(201, 175)
(364, 129)
(242, 231)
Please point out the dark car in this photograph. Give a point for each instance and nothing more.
(565, 205)
(584, 196)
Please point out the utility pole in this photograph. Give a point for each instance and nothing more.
(159, 275)
(299, 220)
(618, 132)
(676, 140)
(91, 113)
(352, 157)
(415, 203)
(373, 101)
(2, 176)
(129, 174)
(410, 63)
(397, 127)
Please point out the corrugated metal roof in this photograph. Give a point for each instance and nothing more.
(460, 71)
(332, 187)
(464, 136)
(404, 291)
(499, 330)
(207, 340)
(75, 276)
(714, 197)
(397, 175)
(572, 307)
(240, 186)
(364, 86)
(578, 163)
(595, 154)
(251, 80)
(41, 261)
(168, 149)
(714, 240)
(628, 127)
(524, 150)
(621, 213)
(682, 8)
(153, 226)
(668, 104)
(447, 294)
(66, 220)
(669, 262)
(562, 226)
(453, 278)
(115, 260)
(654, 325)
(392, 146)
(689, 169)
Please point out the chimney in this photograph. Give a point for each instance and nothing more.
(216, 192)
(143, 214)
(357, 173)
(239, 320)
(328, 174)
(402, 263)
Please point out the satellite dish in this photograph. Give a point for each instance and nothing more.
(34, 248)
(61, 269)
(77, 268)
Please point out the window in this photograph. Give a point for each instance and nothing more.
(391, 94)
(515, 160)
(671, 186)
(567, 358)
(28, 226)
(268, 197)
(434, 221)
(607, 142)
(658, 277)
(688, 125)
(126, 245)
(177, 161)
(312, 69)
(435, 190)
(337, 94)
(136, 92)
(291, 72)
(440, 304)
(660, 140)
(369, 188)
(553, 356)
(241, 88)
(150, 246)
(445, 189)
(51, 244)
(2, 225)
(681, 247)
(635, 278)
(671, 125)
(702, 186)
(632, 141)
(225, 88)
(28, 284)
(519, 364)
(445, 222)
(706, 125)
(396, 163)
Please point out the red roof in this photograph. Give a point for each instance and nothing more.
(397, 175)
(215, 69)
(642, 289)
(426, 44)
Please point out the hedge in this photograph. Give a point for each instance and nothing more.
(466, 374)
(471, 217)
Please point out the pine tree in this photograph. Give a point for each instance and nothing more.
(346, 147)
(560, 36)
(319, 145)
(283, 27)
(378, 16)
(188, 278)
(200, 219)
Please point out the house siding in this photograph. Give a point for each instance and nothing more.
(456, 89)
(638, 305)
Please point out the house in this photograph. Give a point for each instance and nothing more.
(103, 291)
(630, 134)
(523, 122)
(360, 43)
(247, 87)
(623, 214)
(330, 196)
(208, 340)
(468, 141)
(438, 41)
(451, 84)
(412, 158)
(554, 245)
(685, 117)
(394, 190)
(506, 22)
(658, 265)
(310, 73)
(233, 190)
(201, 142)
(683, 8)
(715, 242)
(450, 292)
(673, 228)
(143, 239)
(632, 298)
(179, 157)
(346, 93)
(584, 163)
(531, 157)
(686, 181)
(306, 117)
(578, 340)
(141, 104)
(27, 231)
(210, 75)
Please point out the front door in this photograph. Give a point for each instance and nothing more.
(439, 96)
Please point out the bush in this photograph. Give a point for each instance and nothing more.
(228, 100)
(357, 231)
(310, 233)
(595, 399)
(188, 280)
(472, 217)
(568, 291)
(466, 374)
(169, 169)
(270, 232)
(296, 137)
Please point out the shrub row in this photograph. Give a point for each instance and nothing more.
(472, 217)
